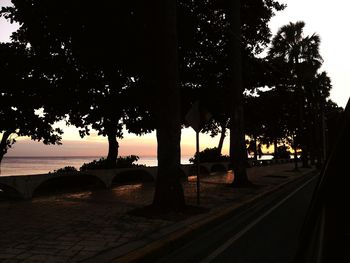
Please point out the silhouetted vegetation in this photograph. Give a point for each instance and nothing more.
(303, 88)
(210, 155)
(66, 170)
(282, 152)
(103, 163)
(21, 99)
(140, 66)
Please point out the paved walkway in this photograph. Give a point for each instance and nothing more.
(95, 225)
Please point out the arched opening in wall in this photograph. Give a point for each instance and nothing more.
(132, 176)
(183, 175)
(68, 184)
(218, 168)
(8, 192)
(202, 170)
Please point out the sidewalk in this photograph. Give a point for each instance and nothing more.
(95, 226)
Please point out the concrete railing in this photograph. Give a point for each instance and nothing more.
(25, 186)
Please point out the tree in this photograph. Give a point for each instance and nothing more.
(168, 193)
(100, 59)
(301, 56)
(205, 70)
(238, 153)
(21, 99)
(92, 60)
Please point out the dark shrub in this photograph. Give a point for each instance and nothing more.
(95, 164)
(210, 155)
(66, 170)
(128, 161)
(282, 152)
(122, 162)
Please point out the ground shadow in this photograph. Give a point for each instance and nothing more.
(153, 212)
(68, 184)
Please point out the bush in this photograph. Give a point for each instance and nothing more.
(66, 170)
(128, 161)
(209, 155)
(95, 164)
(122, 162)
(282, 152)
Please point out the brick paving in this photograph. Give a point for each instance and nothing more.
(73, 227)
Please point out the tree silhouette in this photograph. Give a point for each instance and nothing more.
(204, 49)
(317, 91)
(92, 60)
(300, 54)
(21, 99)
(238, 153)
(166, 90)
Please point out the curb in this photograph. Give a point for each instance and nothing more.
(150, 249)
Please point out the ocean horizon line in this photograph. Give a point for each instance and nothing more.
(82, 156)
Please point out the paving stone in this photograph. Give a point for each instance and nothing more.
(4, 256)
(73, 226)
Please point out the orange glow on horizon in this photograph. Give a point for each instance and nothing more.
(94, 145)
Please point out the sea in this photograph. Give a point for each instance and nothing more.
(41, 165)
(11, 166)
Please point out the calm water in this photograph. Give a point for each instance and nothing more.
(41, 165)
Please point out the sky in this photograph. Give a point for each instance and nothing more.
(329, 19)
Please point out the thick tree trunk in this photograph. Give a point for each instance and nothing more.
(4, 145)
(168, 194)
(238, 153)
(113, 147)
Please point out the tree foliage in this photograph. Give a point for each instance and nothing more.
(305, 90)
(21, 99)
(91, 62)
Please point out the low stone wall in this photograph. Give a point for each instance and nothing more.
(24, 186)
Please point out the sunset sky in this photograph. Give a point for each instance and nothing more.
(329, 19)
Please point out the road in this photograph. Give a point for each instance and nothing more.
(267, 232)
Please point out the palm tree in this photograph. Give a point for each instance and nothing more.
(301, 55)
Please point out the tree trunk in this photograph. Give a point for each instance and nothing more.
(113, 147)
(295, 153)
(238, 153)
(169, 195)
(300, 104)
(275, 148)
(4, 145)
(222, 136)
(314, 139)
(255, 149)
